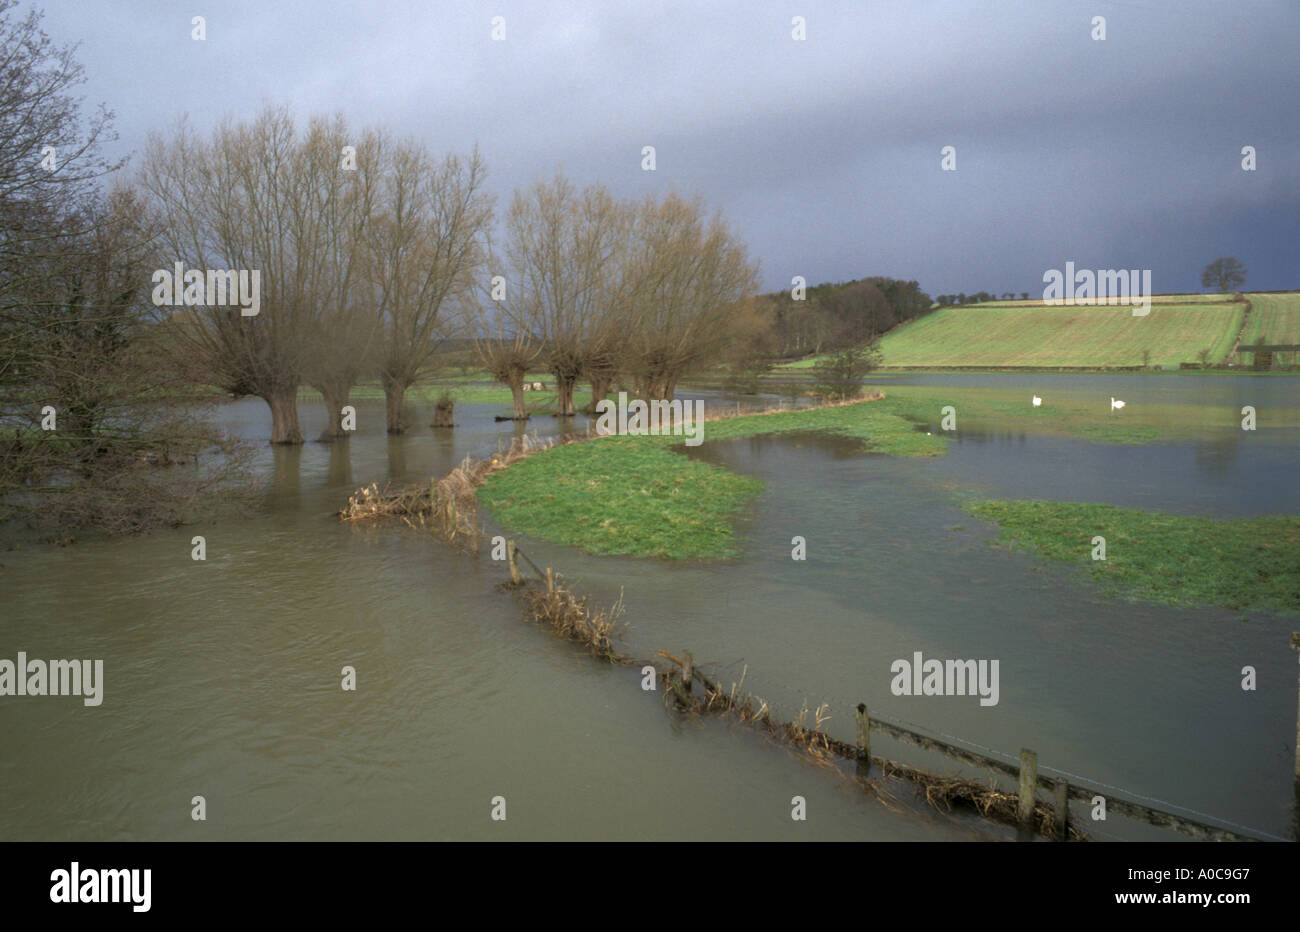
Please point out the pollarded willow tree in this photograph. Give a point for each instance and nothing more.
(427, 249)
(345, 345)
(256, 196)
(507, 358)
(567, 251)
(688, 283)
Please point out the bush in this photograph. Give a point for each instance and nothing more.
(840, 376)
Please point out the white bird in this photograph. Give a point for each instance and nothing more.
(1037, 401)
(1116, 403)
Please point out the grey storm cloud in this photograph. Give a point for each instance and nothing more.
(824, 153)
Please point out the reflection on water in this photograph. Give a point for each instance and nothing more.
(222, 677)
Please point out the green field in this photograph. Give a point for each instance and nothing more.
(1078, 336)
(1274, 318)
(1246, 563)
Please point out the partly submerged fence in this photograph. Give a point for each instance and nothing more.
(449, 506)
(1023, 808)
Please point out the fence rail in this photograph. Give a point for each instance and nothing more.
(1026, 773)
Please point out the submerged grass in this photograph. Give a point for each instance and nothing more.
(1247, 563)
(634, 496)
(1072, 414)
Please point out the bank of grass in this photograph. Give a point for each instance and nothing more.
(1241, 564)
(892, 425)
(636, 496)
(622, 495)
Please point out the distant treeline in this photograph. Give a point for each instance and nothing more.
(834, 315)
(979, 297)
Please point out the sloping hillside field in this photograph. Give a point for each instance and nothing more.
(1040, 335)
(1274, 318)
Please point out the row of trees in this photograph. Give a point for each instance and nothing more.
(369, 266)
(368, 250)
(830, 317)
(979, 297)
(602, 290)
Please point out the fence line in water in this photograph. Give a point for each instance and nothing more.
(1026, 772)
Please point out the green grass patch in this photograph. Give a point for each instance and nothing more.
(1249, 563)
(622, 495)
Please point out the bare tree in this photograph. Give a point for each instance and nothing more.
(257, 196)
(344, 346)
(49, 160)
(566, 251)
(691, 277)
(90, 415)
(427, 250)
(508, 359)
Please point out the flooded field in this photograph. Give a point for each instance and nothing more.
(222, 677)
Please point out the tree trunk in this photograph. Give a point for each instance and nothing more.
(394, 396)
(564, 389)
(599, 389)
(335, 399)
(284, 416)
(516, 384)
(444, 414)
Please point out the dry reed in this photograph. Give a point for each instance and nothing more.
(448, 505)
(822, 750)
(569, 617)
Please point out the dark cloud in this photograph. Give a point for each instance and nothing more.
(825, 153)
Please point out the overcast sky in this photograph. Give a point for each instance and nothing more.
(824, 153)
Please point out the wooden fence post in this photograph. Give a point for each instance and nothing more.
(864, 740)
(515, 578)
(1028, 785)
(682, 688)
(550, 581)
(1062, 804)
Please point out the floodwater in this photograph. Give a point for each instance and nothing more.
(222, 678)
